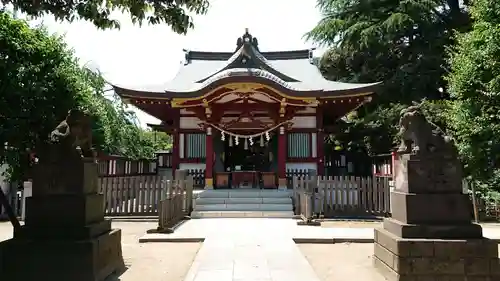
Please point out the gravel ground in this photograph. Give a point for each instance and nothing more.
(374, 224)
(151, 262)
(5, 231)
(341, 262)
(171, 261)
(351, 224)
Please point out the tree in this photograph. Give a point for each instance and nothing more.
(172, 12)
(474, 83)
(115, 129)
(401, 43)
(40, 80)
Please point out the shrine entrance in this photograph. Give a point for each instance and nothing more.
(248, 157)
(247, 162)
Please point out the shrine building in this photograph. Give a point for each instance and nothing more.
(246, 117)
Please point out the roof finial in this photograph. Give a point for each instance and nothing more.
(247, 39)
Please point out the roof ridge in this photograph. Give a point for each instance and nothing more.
(246, 53)
(271, 55)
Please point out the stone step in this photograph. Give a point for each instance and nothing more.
(244, 207)
(248, 200)
(248, 193)
(241, 214)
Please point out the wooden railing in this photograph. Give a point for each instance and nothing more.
(134, 195)
(164, 159)
(344, 163)
(176, 204)
(341, 196)
(488, 210)
(120, 166)
(111, 165)
(291, 173)
(198, 178)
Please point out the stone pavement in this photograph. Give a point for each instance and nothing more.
(197, 230)
(249, 249)
(259, 249)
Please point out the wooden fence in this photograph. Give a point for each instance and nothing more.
(485, 208)
(341, 196)
(164, 159)
(291, 173)
(113, 165)
(198, 178)
(176, 205)
(139, 195)
(121, 166)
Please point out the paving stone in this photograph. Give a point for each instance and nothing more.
(256, 249)
(212, 275)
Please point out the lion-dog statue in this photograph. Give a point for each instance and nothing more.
(74, 133)
(419, 136)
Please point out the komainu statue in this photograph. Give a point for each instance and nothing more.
(419, 136)
(74, 133)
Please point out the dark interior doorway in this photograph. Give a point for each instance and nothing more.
(254, 158)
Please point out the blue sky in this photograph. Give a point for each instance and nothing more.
(135, 56)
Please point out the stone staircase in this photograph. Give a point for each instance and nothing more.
(240, 203)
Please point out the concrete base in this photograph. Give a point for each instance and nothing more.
(440, 208)
(63, 232)
(282, 184)
(242, 203)
(62, 260)
(433, 231)
(64, 210)
(311, 223)
(209, 184)
(400, 259)
(241, 214)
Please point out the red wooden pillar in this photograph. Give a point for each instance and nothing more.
(320, 142)
(282, 158)
(175, 151)
(209, 160)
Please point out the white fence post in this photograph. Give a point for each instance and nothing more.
(28, 192)
(4, 185)
(392, 186)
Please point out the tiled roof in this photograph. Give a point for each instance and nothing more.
(293, 70)
(301, 69)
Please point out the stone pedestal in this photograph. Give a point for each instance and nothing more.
(282, 185)
(431, 235)
(402, 259)
(91, 259)
(65, 236)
